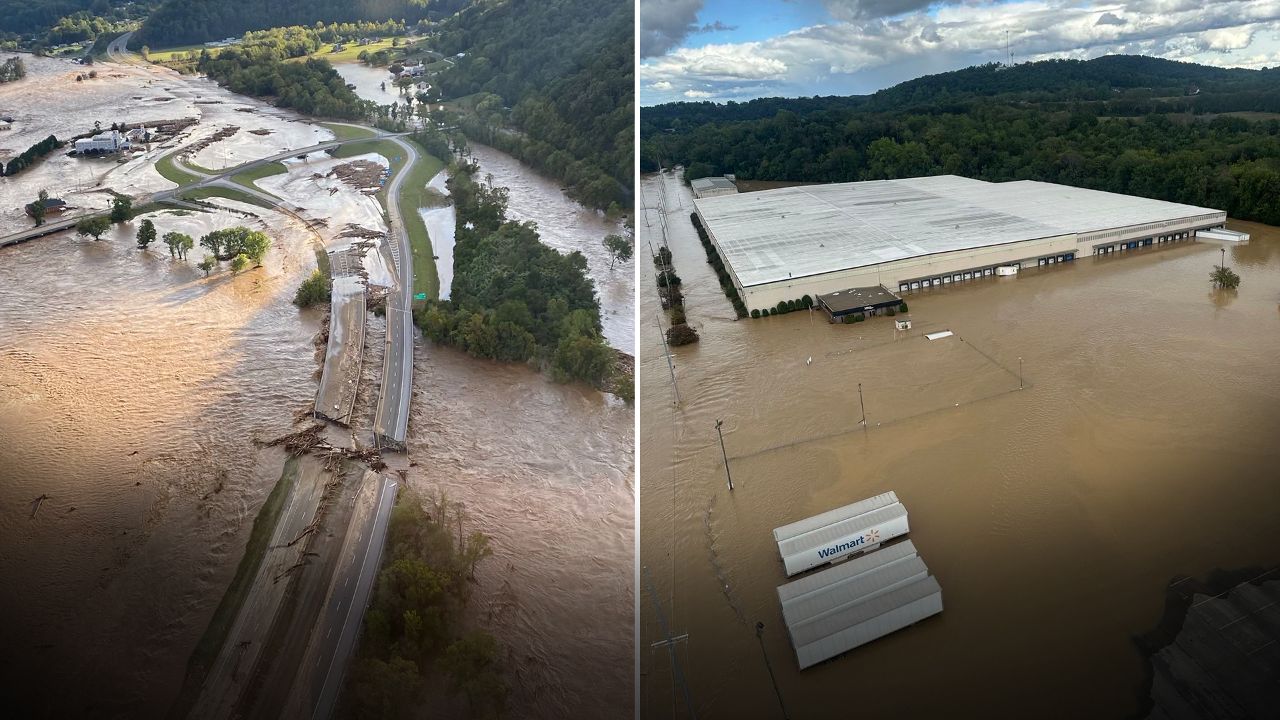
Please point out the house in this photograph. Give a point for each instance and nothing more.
(52, 206)
(138, 134)
(107, 142)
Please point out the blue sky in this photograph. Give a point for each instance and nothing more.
(725, 50)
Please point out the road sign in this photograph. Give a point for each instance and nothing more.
(420, 296)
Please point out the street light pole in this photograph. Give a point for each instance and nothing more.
(1224, 258)
(863, 421)
(723, 454)
(776, 691)
(1019, 372)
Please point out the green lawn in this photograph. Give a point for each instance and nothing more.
(352, 51)
(342, 131)
(169, 168)
(414, 195)
(249, 177)
(228, 193)
(178, 53)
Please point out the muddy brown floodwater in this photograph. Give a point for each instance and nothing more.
(131, 390)
(1143, 447)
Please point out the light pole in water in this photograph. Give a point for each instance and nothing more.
(776, 691)
(1019, 372)
(723, 454)
(1224, 258)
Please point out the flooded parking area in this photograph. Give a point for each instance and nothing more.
(1140, 448)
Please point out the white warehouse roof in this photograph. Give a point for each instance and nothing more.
(813, 229)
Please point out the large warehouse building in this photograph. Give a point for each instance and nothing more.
(911, 234)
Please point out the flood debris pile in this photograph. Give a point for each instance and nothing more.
(363, 175)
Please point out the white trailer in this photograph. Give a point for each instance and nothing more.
(858, 623)
(838, 533)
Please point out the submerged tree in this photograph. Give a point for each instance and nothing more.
(207, 264)
(619, 248)
(179, 244)
(1224, 278)
(121, 209)
(93, 227)
(39, 209)
(146, 234)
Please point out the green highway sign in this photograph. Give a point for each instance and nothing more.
(420, 296)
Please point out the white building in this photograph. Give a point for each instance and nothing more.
(106, 142)
(917, 233)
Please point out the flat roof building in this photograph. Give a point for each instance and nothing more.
(713, 186)
(916, 233)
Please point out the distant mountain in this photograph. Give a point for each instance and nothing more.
(185, 22)
(1136, 125)
(1112, 79)
(565, 70)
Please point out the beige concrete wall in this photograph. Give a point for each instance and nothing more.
(891, 273)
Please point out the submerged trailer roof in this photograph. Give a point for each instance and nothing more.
(800, 527)
(852, 625)
(807, 230)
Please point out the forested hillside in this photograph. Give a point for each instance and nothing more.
(1089, 124)
(564, 67)
(51, 22)
(257, 67)
(184, 22)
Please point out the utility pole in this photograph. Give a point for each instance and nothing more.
(1019, 372)
(667, 351)
(723, 454)
(776, 691)
(1224, 258)
(863, 421)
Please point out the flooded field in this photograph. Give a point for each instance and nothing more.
(51, 101)
(131, 391)
(1141, 448)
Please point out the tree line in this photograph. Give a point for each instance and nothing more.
(412, 629)
(1223, 162)
(183, 22)
(31, 155)
(513, 298)
(569, 93)
(257, 67)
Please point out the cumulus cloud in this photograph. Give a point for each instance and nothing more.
(698, 94)
(864, 53)
(863, 9)
(664, 24)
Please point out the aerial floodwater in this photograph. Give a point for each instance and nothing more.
(1140, 448)
(133, 389)
(546, 470)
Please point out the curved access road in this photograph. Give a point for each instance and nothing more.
(391, 420)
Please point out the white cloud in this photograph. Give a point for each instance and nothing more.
(866, 51)
(662, 85)
(698, 94)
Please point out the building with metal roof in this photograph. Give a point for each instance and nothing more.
(713, 186)
(917, 233)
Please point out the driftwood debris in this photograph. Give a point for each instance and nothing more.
(35, 504)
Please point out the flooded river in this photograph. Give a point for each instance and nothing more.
(557, 505)
(1142, 448)
(131, 390)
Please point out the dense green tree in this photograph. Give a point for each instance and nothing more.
(472, 664)
(315, 290)
(93, 227)
(1224, 278)
(619, 248)
(146, 234)
(239, 263)
(207, 264)
(121, 209)
(179, 244)
(38, 208)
